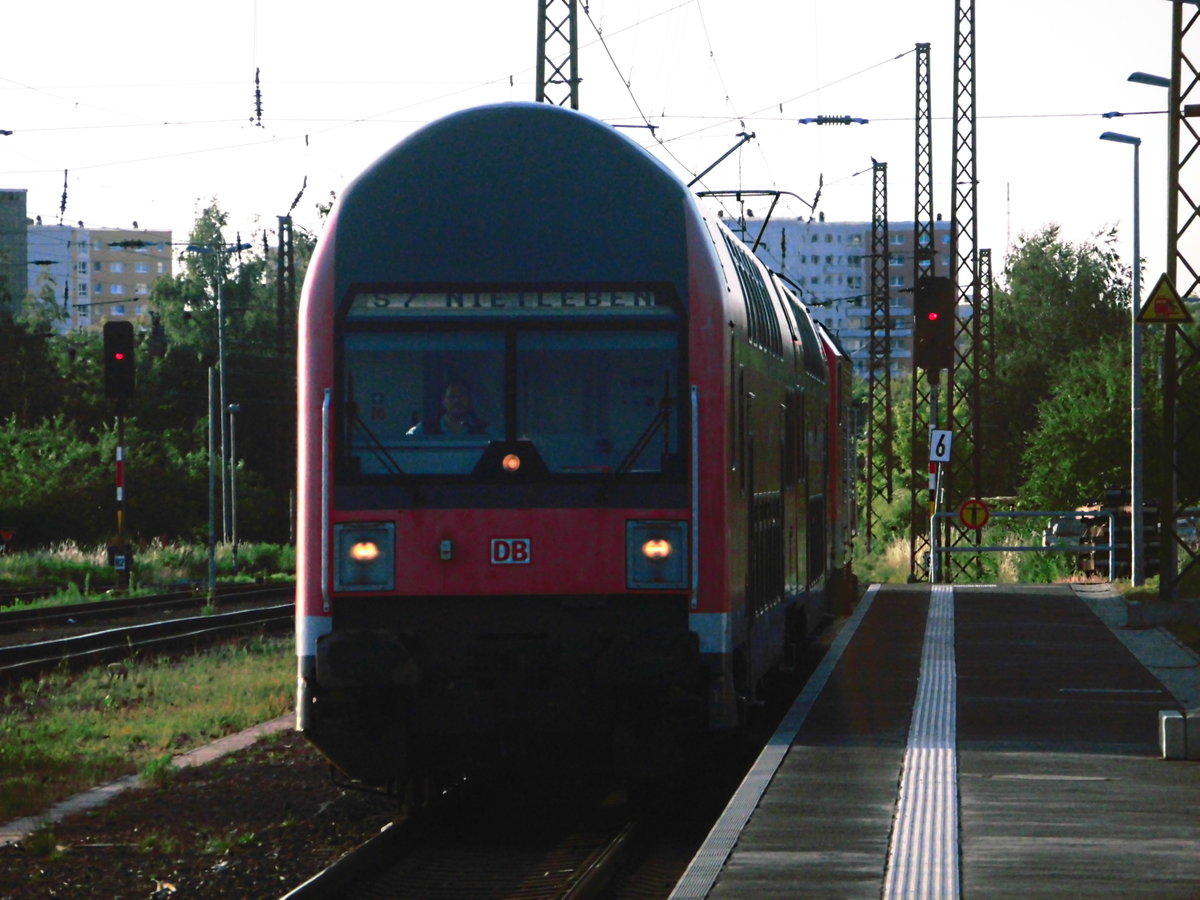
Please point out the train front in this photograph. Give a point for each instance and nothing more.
(495, 421)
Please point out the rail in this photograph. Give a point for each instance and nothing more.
(25, 660)
(937, 550)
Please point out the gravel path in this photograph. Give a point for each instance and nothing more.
(256, 819)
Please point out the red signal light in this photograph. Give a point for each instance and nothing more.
(119, 349)
(933, 324)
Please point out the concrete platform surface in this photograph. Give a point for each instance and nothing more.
(1059, 789)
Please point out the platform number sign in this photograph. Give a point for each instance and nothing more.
(939, 445)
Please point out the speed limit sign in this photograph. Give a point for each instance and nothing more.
(939, 444)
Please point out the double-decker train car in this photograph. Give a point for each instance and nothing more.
(840, 468)
(565, 453)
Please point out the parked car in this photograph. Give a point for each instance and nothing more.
(1065, 531)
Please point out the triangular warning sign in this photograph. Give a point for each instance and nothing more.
(1164, 305)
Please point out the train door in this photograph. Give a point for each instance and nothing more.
(795, 480)
(815, 469)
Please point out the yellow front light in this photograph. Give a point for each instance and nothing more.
(656, 554)
(364, 552)
(656, 548)
(511, 462)
(364, 556)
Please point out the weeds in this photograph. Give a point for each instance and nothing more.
(221, 844)
(153, 843)
(42, 843)
(890, 564)
(80, 572)
(67, 732)
(159, 772)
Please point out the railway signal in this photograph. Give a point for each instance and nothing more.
(933, 324)
(118, 360)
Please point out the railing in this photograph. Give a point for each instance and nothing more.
(937, 550)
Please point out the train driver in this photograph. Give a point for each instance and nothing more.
(458, 415)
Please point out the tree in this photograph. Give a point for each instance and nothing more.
(260, 339)
(1081, 443)
(1059, 298)
(58, 431)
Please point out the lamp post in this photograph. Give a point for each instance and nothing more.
(1166, 504)
(1137, 571)
(223, 250)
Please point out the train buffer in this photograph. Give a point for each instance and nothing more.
(976, 741)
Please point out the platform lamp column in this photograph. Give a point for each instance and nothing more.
(1137, 568)
(223, 406)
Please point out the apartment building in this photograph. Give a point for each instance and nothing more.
(95, 275)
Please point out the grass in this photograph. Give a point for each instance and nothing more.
(890, 564)
(159, 564)
(83, 574)
(64, 733)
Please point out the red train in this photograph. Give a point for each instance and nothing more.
(574, 470)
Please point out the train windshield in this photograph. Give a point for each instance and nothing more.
(432, 401)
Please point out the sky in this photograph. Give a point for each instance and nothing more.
(150, 110)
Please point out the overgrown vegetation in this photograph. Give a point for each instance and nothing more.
(1055, 418)
(81, 573)
(58, 436)
(64, 733)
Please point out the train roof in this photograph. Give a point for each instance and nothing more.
(514, 193)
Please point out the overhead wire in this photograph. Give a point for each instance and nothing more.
(629, 87)
(653, 122)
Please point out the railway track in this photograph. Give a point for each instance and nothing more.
(562, 848)
(18, 620)
(269, 609)
(535, 850)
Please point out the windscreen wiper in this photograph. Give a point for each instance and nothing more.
(661, 419)
(381, 452)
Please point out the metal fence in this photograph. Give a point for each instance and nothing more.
(936, 550)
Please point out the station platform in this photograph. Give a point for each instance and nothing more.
(975, 741)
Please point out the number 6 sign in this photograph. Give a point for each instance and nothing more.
(939, 445)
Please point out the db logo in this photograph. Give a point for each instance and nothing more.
(511, 551)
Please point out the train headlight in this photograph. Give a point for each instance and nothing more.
(364, 556)
(656, 554)
(365, 552)
(656, 549)
(511, 462)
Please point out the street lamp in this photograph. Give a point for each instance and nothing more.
(1147, 78)
(223, 406)
(1166, 505)
(1137, 571)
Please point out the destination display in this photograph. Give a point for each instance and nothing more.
(610, 302)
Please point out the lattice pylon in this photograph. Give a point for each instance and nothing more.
(558, 53)
(1181, 413)
(880, 425)
(962, 476)
(924, 253)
